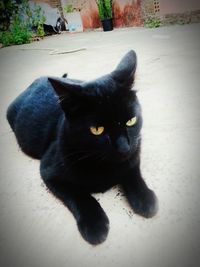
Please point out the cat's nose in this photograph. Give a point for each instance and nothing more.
(123, 147)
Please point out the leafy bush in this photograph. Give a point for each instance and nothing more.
(105, 9)
(152, 22)
(38, 19)
(77, 6)
(21, 22)
(18, 33)
(68, 8)
(6, 38)
(7, 9)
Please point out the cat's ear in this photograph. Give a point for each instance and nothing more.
(125, 71)
(68, 92)
(64, 87)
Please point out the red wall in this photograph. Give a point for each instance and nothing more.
(125, 13)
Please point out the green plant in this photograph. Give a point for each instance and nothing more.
(76, 6)
(38, 19)
(6, 38)
(7, 9)
(68, 8)
(152, 22)
(20, 31)
(105, 9)
(21, 23)
(32, 17)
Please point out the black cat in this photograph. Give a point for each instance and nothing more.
(87, 135)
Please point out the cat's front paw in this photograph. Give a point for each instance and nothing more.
(144, 203)
(94, 227)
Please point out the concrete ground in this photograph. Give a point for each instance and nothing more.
(36, 229)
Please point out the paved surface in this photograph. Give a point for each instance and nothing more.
(36, 229)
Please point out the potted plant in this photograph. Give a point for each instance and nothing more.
(105, 14)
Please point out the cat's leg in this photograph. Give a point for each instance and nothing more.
(142, 199)
(92, 221)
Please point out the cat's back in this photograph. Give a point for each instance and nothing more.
(34, 116)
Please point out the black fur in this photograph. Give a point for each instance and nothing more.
(51, 120)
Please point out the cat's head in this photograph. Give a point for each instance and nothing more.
(104, 115)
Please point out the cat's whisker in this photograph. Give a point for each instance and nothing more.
(76, 161)
(69, 157)
(100, 157)
(76, 153)
(84, 157)
(104, 157)
(61, 99)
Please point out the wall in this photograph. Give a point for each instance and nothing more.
(52, 10)
(147, 8)
(178, 6)
(125, 12)
(89, 12)
(179, 11)
(52, 3)
(128, 13)
(172, 11)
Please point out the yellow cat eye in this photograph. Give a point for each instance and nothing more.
(97, 130)
(131, 122)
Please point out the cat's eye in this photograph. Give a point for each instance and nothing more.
(97, 130)
(131, 122)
